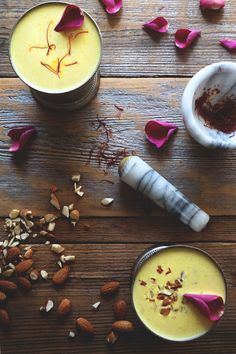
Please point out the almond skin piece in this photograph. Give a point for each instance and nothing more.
(112, 338)
(29, 254)
(85, 326)
(109, 288)
(61, 276)
(123, 326)
(24, 266)
(3, 296)
(4, 319)
(120, 309)
(12, 254)
(64, 308)
(8, 286)
(24, 283)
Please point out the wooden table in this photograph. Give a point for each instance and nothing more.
(146, 75)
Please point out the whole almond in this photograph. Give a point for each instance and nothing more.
(110, 287)
(4, 319)
(24, 266)
(24, 283)
(123, 326)
(74, 215)
(120, 309)
(64, 308)
(61, 276)
(85, 326)
(3, 296)
(12, 254)
(8, 286)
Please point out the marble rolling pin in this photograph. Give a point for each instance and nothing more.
(140, 176)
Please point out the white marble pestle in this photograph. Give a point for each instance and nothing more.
(140, 176)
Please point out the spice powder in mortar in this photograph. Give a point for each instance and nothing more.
(220, 116)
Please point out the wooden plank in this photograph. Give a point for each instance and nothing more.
(148, 229)
(95, 265)
(64, 142)
(132, 52)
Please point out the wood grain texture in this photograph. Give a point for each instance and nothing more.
(149, 229)
(95, 265)
(129, 50)
(63, 145)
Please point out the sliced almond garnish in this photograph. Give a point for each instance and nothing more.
(76, 178)
(71, 334)
(107, 201)
(56, 248)
(44, 274)
(8, 273)
(78, 191)
(55, 202)
(50, 218)
(96, 305)
(34, 274)
(51, 226)
(65, 211)
(47, 307)
(14, 213)
(65, 259)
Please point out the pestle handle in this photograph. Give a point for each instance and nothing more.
(142, 177)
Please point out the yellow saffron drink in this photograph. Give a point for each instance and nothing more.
(53, 61)
(162, 278)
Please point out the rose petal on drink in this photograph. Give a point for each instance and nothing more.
(20, 137)
(184, 37)
(212, 4)
(72, 19)
(112, 6)
(210, 305)
(229, 44)
(158, 132)
(159, 24)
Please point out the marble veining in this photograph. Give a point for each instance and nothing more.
(221, 76)
(140, 176)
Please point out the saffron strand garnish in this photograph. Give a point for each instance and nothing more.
(74, 63)
(49, 46)
(36, 47)
(82, 32)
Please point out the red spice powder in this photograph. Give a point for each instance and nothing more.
(220, 116)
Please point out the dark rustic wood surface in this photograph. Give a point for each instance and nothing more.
(146, 76)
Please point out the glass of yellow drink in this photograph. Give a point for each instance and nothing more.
(61, 68)
(161, 277)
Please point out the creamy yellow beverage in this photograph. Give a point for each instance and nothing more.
(51, 61)
(160, 284)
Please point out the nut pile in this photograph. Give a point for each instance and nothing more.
(18, 270)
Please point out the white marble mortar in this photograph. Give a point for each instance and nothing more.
(220, 75)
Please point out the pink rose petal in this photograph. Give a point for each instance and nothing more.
(72, 19)
(212, 4)
(160, 24)
(229, 44)
(158, 133)
(211, 306)
(184, 37)
(20, 137)
(112, 6)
